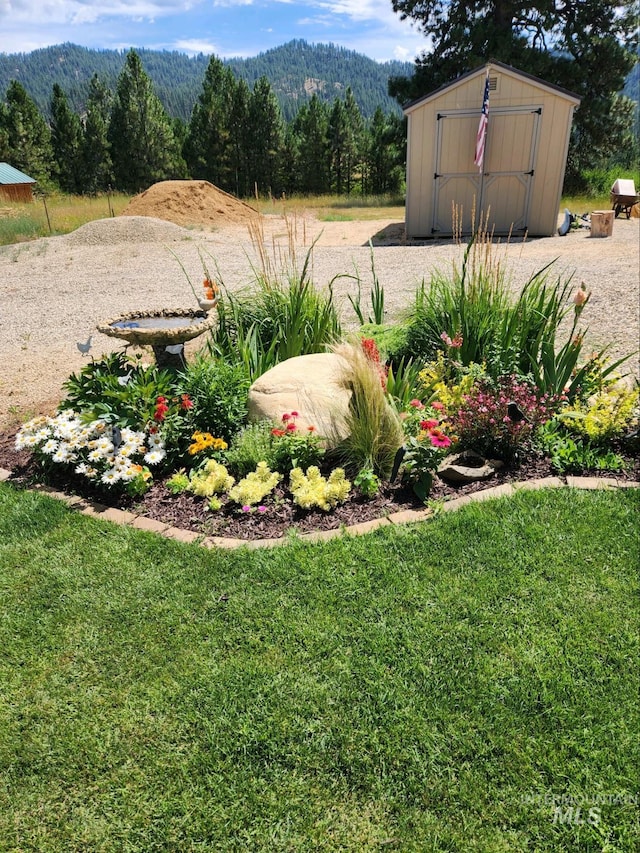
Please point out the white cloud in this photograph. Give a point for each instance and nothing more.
(194, 46)
(89, 11)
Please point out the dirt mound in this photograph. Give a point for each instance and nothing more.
(191, 203)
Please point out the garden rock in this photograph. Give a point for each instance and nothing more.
(313, 386)
(468, 467)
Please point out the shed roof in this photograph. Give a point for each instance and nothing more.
(9, 175)
(493, 63)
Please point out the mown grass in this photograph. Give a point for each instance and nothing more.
(426, 688)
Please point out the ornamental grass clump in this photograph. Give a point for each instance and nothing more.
(373, 427)
(313, 490)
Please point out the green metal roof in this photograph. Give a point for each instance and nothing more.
(9, 175)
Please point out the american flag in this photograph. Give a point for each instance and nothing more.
(482, 127)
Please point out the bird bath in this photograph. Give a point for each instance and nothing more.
(166, 331)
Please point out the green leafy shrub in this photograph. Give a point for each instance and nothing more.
(570, 455)
(604, 416)
(219, 391)
(119, 389)
(251, 445)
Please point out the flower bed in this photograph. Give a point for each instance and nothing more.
(178, 446)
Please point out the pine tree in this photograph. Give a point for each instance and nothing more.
(311, 127)
(26, 134)
(384, 158)
(266, 132)
(355, 147)
(143, 146)
(96, 150)
(208, 149)
(338, 143)
(240, 139)
(66, 141)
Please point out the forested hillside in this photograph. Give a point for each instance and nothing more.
(296, 71)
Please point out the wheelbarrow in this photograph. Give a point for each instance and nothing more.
(623, 197)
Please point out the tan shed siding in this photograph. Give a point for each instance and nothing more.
(509, 144)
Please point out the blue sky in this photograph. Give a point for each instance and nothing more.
(224, 27)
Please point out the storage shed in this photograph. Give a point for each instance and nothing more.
(15, 185)
(527, 138)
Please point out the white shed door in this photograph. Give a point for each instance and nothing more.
(501, 193)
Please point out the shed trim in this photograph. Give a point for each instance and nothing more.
(483, 69)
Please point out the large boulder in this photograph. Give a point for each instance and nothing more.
(313, 386)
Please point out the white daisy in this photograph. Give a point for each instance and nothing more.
(110, 477)
(95, 456)
(82, 468)
(63, 454)
(154, 456)
(49, 447)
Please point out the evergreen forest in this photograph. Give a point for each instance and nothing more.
(236, 137)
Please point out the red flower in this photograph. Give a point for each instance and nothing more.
(161, 399)
(278, 432)
(428, 424)
(186, 402)
(370, 349)
(291, 427)
(286, 418)
(294, 415)
(311, 428)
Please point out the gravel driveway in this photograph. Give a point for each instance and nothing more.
(53, 291)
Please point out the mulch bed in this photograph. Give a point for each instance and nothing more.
(191, 513)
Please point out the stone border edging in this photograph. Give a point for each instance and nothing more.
(130, 519)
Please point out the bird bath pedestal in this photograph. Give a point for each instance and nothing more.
(166, 331)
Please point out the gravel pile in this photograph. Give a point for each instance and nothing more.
(130, 229)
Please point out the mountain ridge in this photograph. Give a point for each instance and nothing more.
(296, 70)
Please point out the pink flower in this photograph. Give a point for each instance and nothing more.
(416, 404)
(439, 407)
(286, 418)
(246, 508)
(294, 415)
(439, 439)
(262, 509)
(291, 427)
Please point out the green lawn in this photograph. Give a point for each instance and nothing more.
(428, 688)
